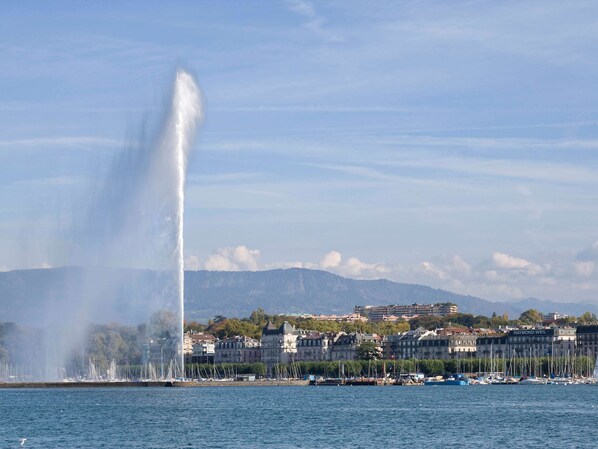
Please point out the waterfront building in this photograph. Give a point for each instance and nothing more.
(447, 346)
(405, 345)
(345, 346)
(542, 342)
(187, 344)
(314, 346)
(587, 340)
(279, 344)
(488, 346)
(202, 347)
(239, 349)
(384, 313)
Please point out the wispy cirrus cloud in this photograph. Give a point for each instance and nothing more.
(62, 141)
(313, 21)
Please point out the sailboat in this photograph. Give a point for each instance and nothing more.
(594, 379)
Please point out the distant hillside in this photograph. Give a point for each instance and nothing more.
(299, 290)
(209, 293)
(576, 309)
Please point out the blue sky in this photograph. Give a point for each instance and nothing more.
(452, 144)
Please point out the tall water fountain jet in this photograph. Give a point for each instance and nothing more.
(129, 247)
(186, 114)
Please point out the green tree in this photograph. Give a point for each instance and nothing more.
(232, 327)
(463, 319)
(368, 350)
(258, 317)
(194, 326)
(497, 321)
(531, 316)
(427, 322)
(587, 318)
(567, 321)
(386, 328)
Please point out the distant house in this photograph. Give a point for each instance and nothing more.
(345, 346)
(405, 345)
(491, 346)
(447, 346)
(393, 311)
(239, 349)
(587, 340)
(554, 316)
(314, 346)
(202, 347)
(349, 318)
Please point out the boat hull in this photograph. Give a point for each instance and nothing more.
(445, 383)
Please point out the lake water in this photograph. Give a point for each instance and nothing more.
(302, 417)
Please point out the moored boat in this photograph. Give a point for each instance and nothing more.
(457, 379)
(532, 381)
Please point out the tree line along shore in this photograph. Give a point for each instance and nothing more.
(108, 343)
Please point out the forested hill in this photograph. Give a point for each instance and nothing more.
(300, 290)
(296, 290)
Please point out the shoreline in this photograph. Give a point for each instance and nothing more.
(154, 384)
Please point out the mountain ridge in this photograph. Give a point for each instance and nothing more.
(237, 293)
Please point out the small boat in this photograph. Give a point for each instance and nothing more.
(457, 379)
(365, 382)
(507, 381)
(561, 381)
(532, 381)
(328, 382)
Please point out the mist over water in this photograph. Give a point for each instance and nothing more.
(133, 223)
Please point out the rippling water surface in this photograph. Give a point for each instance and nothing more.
(301, 417)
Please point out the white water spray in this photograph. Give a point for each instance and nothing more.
(167, 180)
(130, 246)
(185, 115)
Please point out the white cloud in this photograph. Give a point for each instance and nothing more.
(555, 275)
(314, 21)
(500, 277)
(218, 262)
(331, 260)
(192, 263)
(507, 262)
(433, 270)
(241, 258)
(460, 266)
(504, 261)
(238, 258)
(584, 269)
(492, 275)
(334, 262)
(447, 268)
(246, 258)
(353, 267)
(296, 264)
